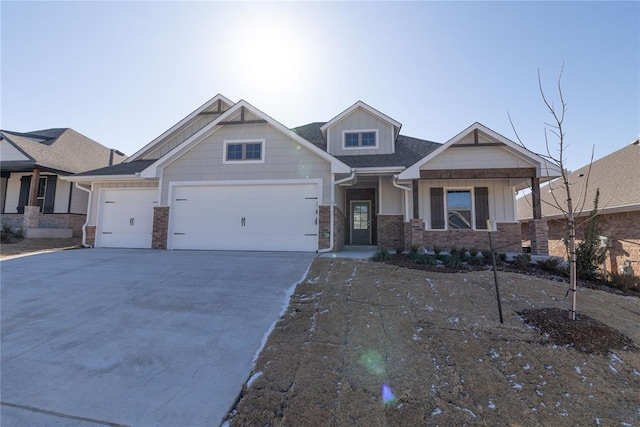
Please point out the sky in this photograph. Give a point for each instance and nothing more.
(123, 72)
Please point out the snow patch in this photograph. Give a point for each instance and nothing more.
(492, 405)
(526, 367)
(436, 411)
(517, 386)
(454, 320)
(578, 370)
(614, 370)
(253, 378)
(615, 358)
(494, 355)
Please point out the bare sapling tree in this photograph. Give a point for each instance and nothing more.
(565, 201)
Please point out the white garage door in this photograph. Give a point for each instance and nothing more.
(125, 218)
(280, 217)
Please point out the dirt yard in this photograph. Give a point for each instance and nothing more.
(370, 344)
(25, 246)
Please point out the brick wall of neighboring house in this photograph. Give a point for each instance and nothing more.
(507, 238)
(160, 227)
(621, 228)
(91, 235)
(390, 231)
(64, 221)
(324, 227)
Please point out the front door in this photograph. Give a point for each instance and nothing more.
(360, 223)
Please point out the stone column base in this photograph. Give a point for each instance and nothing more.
(31, 218)
(539, 235)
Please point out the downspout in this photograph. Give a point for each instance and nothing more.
(84, 226)
(333, 206)
(405, 197)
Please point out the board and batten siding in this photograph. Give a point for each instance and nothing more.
(390, 198)
(492, 157)
(284, 159)
(93, 208)
(501, 197)
(356, 121)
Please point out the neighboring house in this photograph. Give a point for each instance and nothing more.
(616, 175)
(230, 177)
(32, 196)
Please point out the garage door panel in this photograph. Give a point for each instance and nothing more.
(125, 218)
(257, 217)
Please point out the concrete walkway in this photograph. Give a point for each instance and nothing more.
(135, 337)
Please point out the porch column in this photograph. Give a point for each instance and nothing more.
(538, 228)
(416, 204)
(31, 217)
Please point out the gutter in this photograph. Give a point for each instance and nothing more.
(333, 206)
(84, 226)
(405, 197)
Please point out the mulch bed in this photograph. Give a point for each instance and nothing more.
(585, 334)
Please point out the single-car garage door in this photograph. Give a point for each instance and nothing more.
(264, 217)
(125, 218)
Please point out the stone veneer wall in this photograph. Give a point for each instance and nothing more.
(72, 221)
(622, 229)
(160, 227)
(390, 231)
(340, 230)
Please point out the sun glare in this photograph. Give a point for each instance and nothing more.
(270, 53)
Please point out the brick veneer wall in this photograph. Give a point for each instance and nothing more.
(390, 231)
(160, 227)
(507, 238)
(622, 229)
(324, 228)
(91, 235)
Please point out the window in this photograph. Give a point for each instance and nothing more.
(249, 151)
(459, 209)
(42, 187)
(361, 139)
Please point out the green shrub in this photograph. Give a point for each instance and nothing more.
(453, 262)
(473, 252)
(549, 264)
(522, 260)
(414, 249)
(381, 254)
(590, 255)
(502, 256)
(625, 282)
(437, 249)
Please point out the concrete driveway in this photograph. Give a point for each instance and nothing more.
(135, 337)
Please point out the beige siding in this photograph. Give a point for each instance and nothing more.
(283, 159)
(179, 136)
(79, 201)
(501, 197)
(475, 158)
(391, 198)
(93, 208)
(9, 152)
(360, 120)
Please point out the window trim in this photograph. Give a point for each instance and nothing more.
(360, 132)
(446, 207)
(228, 142)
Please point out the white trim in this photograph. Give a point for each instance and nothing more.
(543, 168)
(365, 107)
(93, 178)
(226, 143)
(151, 171)
(359, 132)
(446, 207)
(181, 123)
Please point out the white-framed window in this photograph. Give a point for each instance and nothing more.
(459, 208)
(244, 151)
(359, 139)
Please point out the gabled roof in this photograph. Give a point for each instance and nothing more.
(214, 103)
(616, 175)
(407, 152)
(543, 168)
(397, 125)
(60, 150)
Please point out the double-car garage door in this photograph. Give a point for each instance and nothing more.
(263, 217)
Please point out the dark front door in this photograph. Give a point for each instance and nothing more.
(360, 223)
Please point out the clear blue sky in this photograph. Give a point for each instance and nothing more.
(124, 72)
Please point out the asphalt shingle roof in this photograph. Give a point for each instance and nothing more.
(126, 168)
(60, 149)
(408, 150)
(616, 175)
